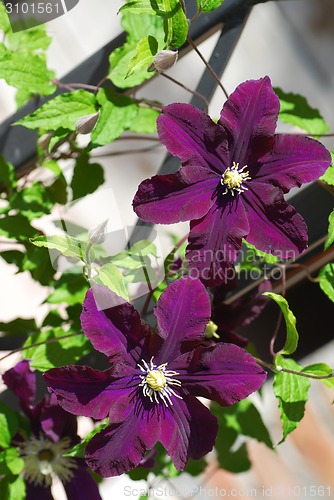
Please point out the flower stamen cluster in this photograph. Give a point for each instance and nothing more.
(156, 382)
(43, 458)
(233, 177)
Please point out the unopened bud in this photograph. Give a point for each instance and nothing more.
(97, 235)
(86, 124)
(210, 330)
(165, 59)
(44, 141)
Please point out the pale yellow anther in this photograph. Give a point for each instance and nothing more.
(156, 380)
(233, 178)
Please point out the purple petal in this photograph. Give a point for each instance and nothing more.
(116, 331)
(182, 313)
(82, 486)
(83, 391)
(22, 382)
(186, 195)
(191, 135)
(275, 226)
(34, 492)
(249, 118)
(120, 447)
(57, 423)
(214, 242)
(292, 161)
(255, 303)
(240, 312)
(189, 431)
(224, 373)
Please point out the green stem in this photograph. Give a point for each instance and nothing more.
(45, 342)
(278, 369)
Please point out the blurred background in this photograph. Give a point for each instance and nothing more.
(292, 41)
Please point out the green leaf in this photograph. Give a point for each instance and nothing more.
(8, 425)
(246, 420)
(61, 112)
(195, 467)
(70, 289)
(33, 201)
(19, 326)
(137, 27)
(253, 253)
(146, 49)
(230, 457)
(78, 450)
(17, 488)
(58, 136)
(291, 392)
(16, 227)
(318, 369)
(4, 20)
(7, 175)
(60, 352)
(292, 337)
(116, 115)
(143, 248)
(87, 177)
(66, 245)
(328, 176)
(176, 23)
(30, 73)
(37, 262)
(145, 122)
(13, 461)
(142, 7)
(326, 280)
(111, 276)
(208, 5)
(126, 260)
(330, 238)
(31, 40)
(328, 382)
(119, 64)
(22, 96)
(294, 109)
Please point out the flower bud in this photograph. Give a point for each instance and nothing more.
(97, 235)
(85, 124)
(210, 330)
(165, 59)
(44, 141)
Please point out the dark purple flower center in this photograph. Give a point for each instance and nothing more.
(156, 382)
(233, 179)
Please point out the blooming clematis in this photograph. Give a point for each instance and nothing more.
(54, 432)
(149, 392)
(232, 180)
(241, 312)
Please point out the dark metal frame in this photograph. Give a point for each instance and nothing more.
(18, 144)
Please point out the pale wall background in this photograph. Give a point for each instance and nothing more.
(292, 42)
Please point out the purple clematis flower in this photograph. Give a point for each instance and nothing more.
(232, 180)
(54, 432)
(149, 392)
(241, 312)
